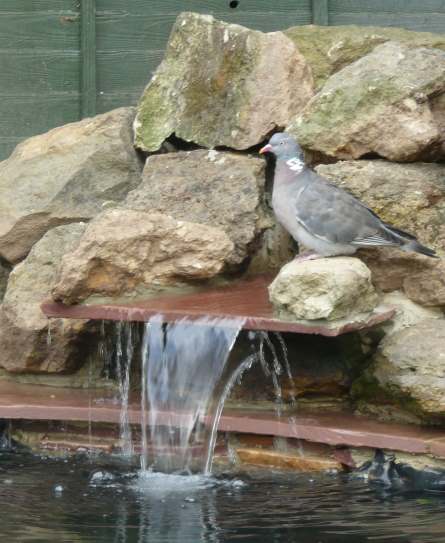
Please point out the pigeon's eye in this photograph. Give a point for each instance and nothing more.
(281, 142)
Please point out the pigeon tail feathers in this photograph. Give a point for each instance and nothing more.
(408, 242)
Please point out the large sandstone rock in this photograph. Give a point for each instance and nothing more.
(63, 176)
(326, 288)
(428, 286)
(411, 362)
(24, 335)
(222, 85)
(328, 49)
(378, 104)
(123, 250)
(390, 267)
(407, 313)
(421, 278)
(225, 190)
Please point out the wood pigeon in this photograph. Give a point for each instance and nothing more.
(323, 217)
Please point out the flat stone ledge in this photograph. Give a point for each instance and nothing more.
(246, 299)
(35, 402)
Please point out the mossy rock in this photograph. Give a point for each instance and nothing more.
(328, 49)
(380, 104)
(222, 85)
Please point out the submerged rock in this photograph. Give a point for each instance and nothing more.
(222, 84)
(328, 49)
(123, 250)
(26, 343)
(384, 469)
(220, 189)
(64, 176)
(326, 288)
(378, 104)
(411, 363)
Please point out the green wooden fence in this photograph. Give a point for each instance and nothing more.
(62, 60)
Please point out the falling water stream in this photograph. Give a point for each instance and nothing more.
(183, 368)
(124, 360)
(185, 380)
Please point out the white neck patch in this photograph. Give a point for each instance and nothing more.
(295, 164)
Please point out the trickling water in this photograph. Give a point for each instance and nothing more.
(124, 359)
(90, 384)
(233, 379)
(273, 372)
(283, 346)
(48, 335)
(182, 364)
(144, 405)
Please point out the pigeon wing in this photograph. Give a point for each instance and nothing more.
(333, 215)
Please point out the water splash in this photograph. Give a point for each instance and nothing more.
(185, 363)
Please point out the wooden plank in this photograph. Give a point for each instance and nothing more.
(107, 102)
(54, 6)
(387, 6)
(27, 115)
(7, 145)
(39, 30)
(320, 12)
(419, 22)
(137, 32)
(142, 7)
(41, 71)
(119, 71)
(88, 58)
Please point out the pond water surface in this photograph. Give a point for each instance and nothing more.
(97, 500)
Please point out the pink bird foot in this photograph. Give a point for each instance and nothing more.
(309, 255)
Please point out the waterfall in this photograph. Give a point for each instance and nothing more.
(184, 383)
(183, 362)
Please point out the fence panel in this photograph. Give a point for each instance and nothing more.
(61, 60)
(39, 67)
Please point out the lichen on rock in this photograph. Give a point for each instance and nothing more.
(222, 84)
(328, 49)
(378, 104)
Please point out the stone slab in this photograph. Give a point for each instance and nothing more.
(31, 402)
(247, 299)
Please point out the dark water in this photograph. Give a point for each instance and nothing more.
(63, 501)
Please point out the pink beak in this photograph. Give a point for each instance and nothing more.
(266, 149)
